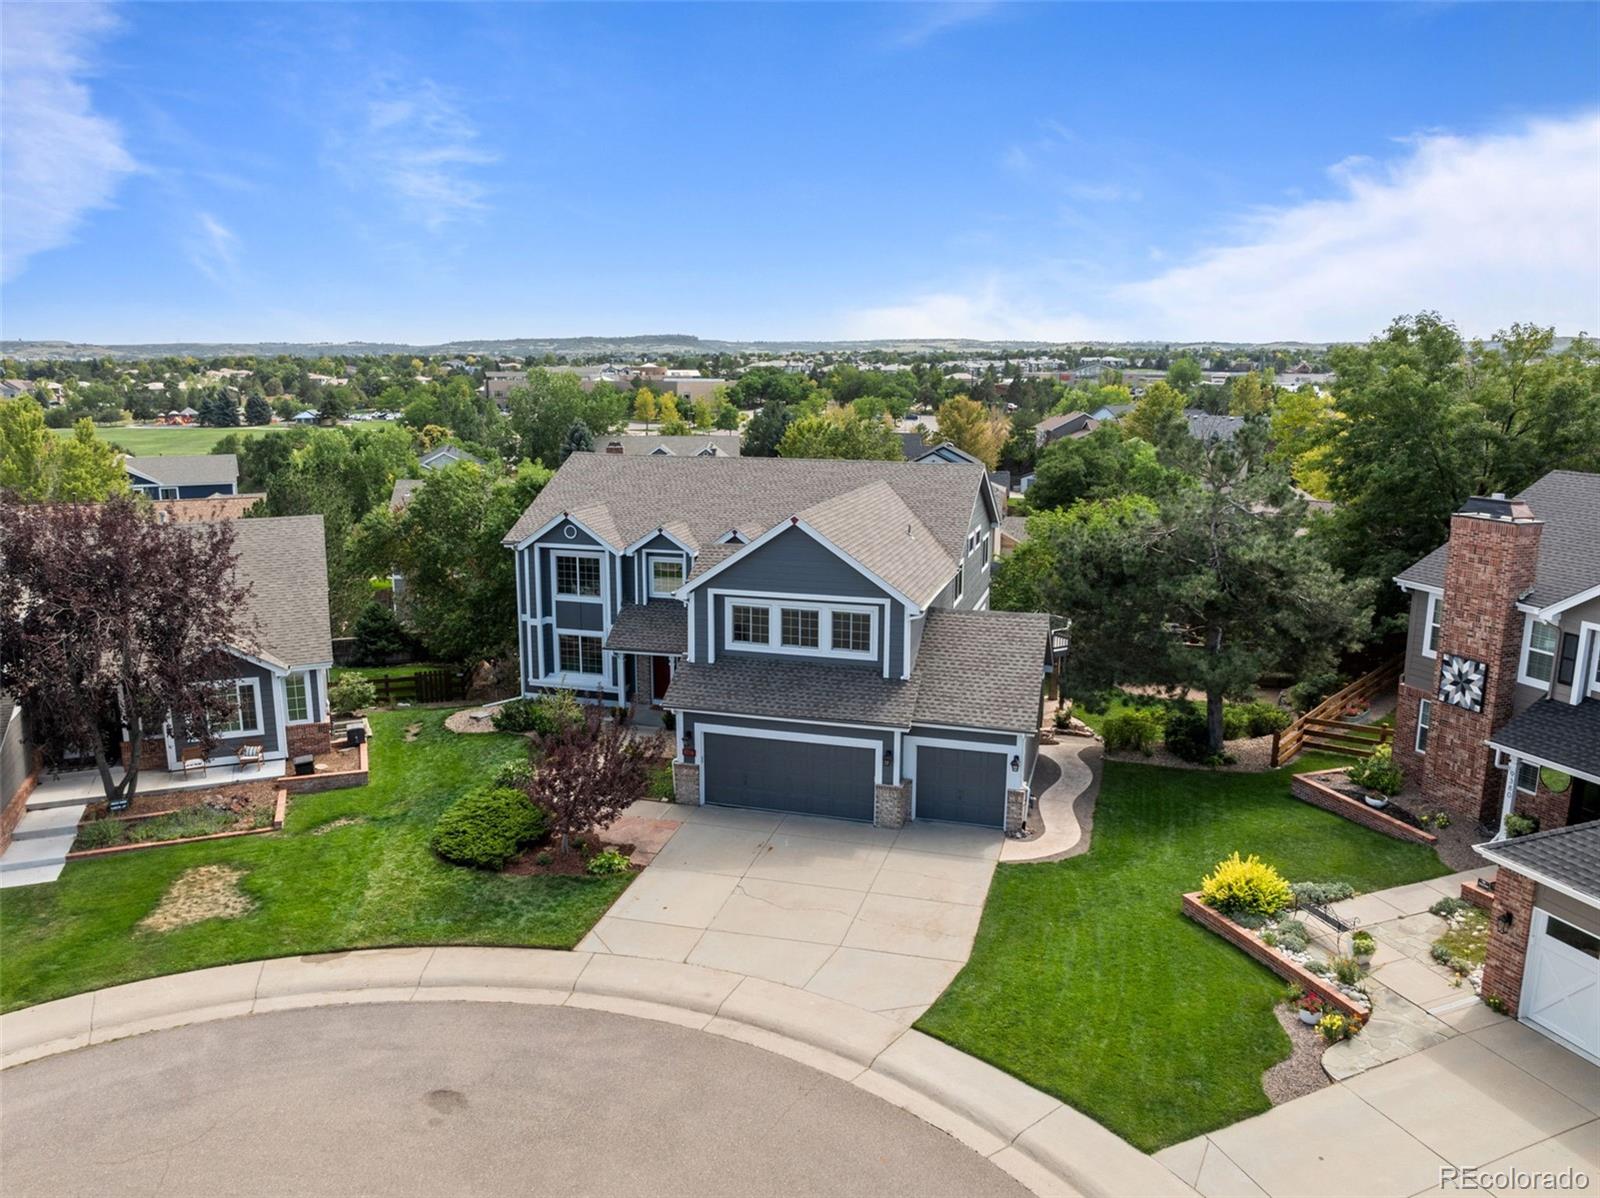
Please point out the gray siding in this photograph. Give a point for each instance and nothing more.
(268, 737)
(577, 616)
(688, 720)
(1420, 671)
(915, 643)
(982, 738)
(1579, 915)
(795, 563)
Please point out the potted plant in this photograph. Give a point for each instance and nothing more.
(1378, 776)
(1310, 1010)
(1362, 946)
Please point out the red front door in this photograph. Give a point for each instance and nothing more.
(660, 677)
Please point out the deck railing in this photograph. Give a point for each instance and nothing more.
(1321, 727)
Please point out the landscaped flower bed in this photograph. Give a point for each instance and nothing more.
(240, 810)
(1331, 790)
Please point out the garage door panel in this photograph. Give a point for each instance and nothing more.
(1561, 982)
(778, 775)
(965, 786)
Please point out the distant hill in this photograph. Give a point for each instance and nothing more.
(642, 346)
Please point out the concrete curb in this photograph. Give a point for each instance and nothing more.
(1049, 1147)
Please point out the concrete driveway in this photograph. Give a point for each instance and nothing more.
(461, 1098)
(880, 918)
(1501, 1099)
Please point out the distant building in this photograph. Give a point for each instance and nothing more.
(690, 388)
(183, 476)
(1069, 424)
(499, 384)
(699, 445)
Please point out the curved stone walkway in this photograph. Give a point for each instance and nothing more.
(1045, 1144)
(1070, 773)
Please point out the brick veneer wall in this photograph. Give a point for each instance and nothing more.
(1246, 940)
(16, 807)
(1016, 810)
(890, 805)
(1489, 564)
(1550, 809)
(310, 738)
(686, 782)
(1508, 946)
(1410, 761)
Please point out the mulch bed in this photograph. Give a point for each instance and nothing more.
(1251, 756)
(1301, 1072)
(571, 864)
(1392, 808)
(1454, 840)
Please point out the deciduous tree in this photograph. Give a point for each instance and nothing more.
(971, 427)
(589, 773)
(840, 433)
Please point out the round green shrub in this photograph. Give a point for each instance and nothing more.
(1378, 772)
(607, 864)
(1137, 729)
(1235, 722)
(1186, 734)
(515, 774)
(1265, 718)
(484, 828)
(353, 692)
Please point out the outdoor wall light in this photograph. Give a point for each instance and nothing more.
(1502, 922)
(1016, 763)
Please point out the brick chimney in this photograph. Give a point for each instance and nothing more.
(613, 446)
(1489, 565)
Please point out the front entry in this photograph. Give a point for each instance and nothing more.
(660, 678)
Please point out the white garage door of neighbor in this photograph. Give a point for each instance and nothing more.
(1561, 982)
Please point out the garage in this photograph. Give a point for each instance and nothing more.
(1561, 982)
(961, 786)
(805, 777)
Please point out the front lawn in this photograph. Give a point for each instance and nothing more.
(367, 881)
(1088, 983)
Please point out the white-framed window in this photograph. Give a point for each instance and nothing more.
(579, 654)
(985, 553)
(1538, 653)
(750, 625)
(577, 575)
(961, 582)
(1424, 723)
(1430, 632)
(240, 710)
(804, 628)
(666, 574)
(297, 697)
(852, 632)
(799, 627)
(1527, 777)
(167, 492)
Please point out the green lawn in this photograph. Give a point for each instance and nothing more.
(1088, 983)
(154, 442)
(404, 671)
(357, 886)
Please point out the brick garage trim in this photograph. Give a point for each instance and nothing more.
(1509, 926)
(1312, 788)
(1247, 941)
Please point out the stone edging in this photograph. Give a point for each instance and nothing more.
(1309, 788)
(1048, 1146)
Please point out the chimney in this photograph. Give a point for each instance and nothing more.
(1490, 564)
(613, 446)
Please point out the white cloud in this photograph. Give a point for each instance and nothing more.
(59, 158)
(1487, 230)
(934, 19)
(212, 247)
(415, 141)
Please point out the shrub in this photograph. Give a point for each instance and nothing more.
(1346, 970)
(1378, 772)
(1249, 885)
(1495, 1003)
(514, 774)
(1320, 894)
(1520, 825)
(1235, 722)
(1363, 945)
(378, 636)
(514, 716)
(1186, 735)
(484, 828)
(352, 693)
(1263, 718)
(669, 720)
(1446, 907)
(1292, 935)
(1313, 689)
(1442, 954)
(100, 834)
(607, 864)
(1136, 729)
(661, 785)
(1062, 718)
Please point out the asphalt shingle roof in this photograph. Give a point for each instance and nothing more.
(660, 626)
(186, 470)
(404, 488)
(1568, 502)
(1565, 733)
(283, 561)
(792, 690)
(1209, 426)
(622, 498)
(642, 444)
(1569, 855)
(1014, 527)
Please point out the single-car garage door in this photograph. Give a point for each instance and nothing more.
(964, 786)
(1561, 982)
(781, 775)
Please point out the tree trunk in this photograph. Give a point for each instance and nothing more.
(1214, 721)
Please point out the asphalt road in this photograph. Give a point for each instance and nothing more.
(457, 1099)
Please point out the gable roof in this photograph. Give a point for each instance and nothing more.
(640, 444)
(620, 498)
(404, 489)
(1568, 501)
(186, 470)
(944, 452)
(283, 561)
(445, 455)
(1209, 426)
(1569, 857)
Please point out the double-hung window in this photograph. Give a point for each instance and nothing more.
(666, 575)
(852, 632)
(751, 625)
(297, 697)
(1539, 653)
(961, 582)
(579, 654)
(238, 709)
(1430, 635)
(800, 627)
(1424, 723)
(823, 630)
(577, 575)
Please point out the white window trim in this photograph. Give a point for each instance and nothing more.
(1588, 655)
(1424, 726)
(555, 575)
(580, 673)
(1516, 776)
(1429, 611)
(655, 555)
(1527, 645)
(311, 707)
(961, 582)
(255, 690)
(824, 610)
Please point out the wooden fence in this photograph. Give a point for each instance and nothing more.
(1321, 727)
(425, 686)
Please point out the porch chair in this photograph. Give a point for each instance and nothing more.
(249, 754)
(193, 760)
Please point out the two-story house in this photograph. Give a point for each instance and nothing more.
(819, 629)
(183, 476)
(1499, 702)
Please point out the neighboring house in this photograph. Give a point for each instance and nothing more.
(1013, 531)
(1499, 703)
(180, 476)
(446, 455)
(1208, 426)
(912, 445)
(1069, 424)
(1111, 411)
(818, 627)
(1543, 960)
(278, 695)
(699, 445)
(946, 452)
(19, 767)
(690, 387)
(305, 417)
(499, 384)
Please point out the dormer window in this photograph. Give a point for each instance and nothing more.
(666, 574)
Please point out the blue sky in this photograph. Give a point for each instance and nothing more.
(424, 173)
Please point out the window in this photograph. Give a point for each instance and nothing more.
(666, 575)
(239, 710)
(961, 582)
(985, 553)
(1424, 723)
(297, 697)
(1430, 637)
(579, 654)
(852, 632)
(1539, 653)
(800, 627)
(1527, 777)
(577, 575)
(1584, 942)
(751, 625)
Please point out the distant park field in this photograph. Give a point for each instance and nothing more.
(155, 441)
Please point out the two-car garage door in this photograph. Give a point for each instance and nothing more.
(784, 775)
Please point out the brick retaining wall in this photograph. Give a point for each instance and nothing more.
(1309, 788)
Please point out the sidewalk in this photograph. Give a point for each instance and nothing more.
(1048, 1146)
